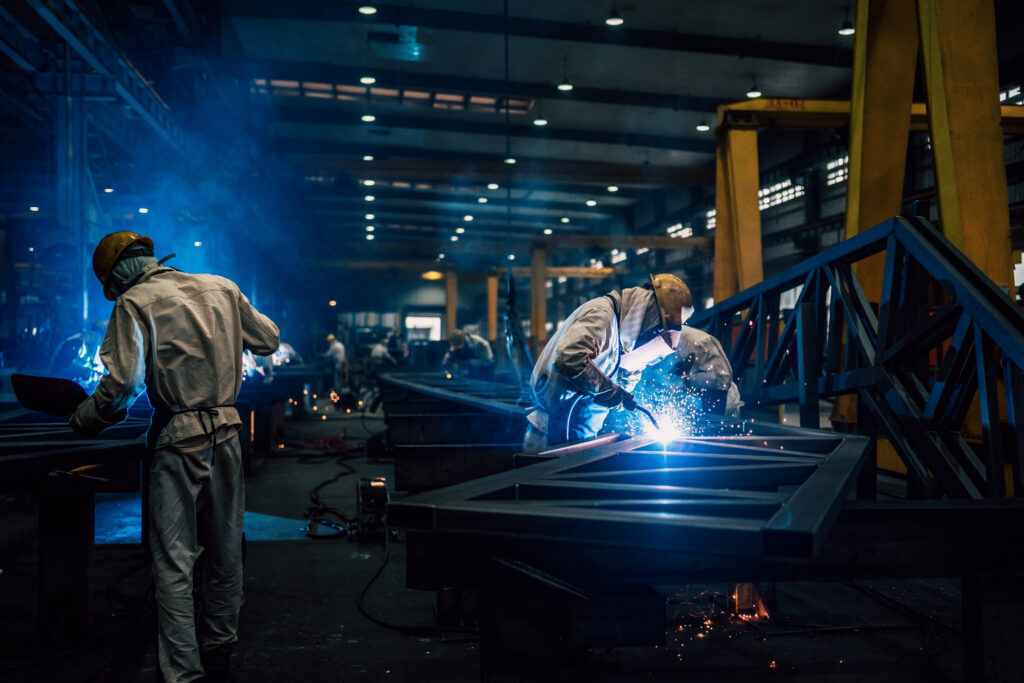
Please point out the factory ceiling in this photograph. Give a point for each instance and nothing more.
(419, 104)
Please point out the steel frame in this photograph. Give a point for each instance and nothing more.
(775, 492)
(835, 342)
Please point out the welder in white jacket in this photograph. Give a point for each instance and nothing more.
(181, 336)
(596, 357)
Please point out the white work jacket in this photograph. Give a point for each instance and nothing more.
(583, 355)
(711, 368)
(181, 336)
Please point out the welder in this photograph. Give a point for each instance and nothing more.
(596, 357)
(470, 354)
(335, 355)
(181, 336)
(707, 373)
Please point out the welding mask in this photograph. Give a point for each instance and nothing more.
(674, 300)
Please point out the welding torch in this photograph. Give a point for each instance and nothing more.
(629, 403)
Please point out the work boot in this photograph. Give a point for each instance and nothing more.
(217, 663)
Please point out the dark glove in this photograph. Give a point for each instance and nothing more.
(93, 429)
(615, 398)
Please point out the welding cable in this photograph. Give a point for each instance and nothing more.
(432, 631)
(319, 511)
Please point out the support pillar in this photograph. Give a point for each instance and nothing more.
(451, 301)
(72, 157)
(961, 68)
(492, 307)
(539, 295)
(738, 260)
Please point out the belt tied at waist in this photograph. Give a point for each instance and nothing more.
(162, 416)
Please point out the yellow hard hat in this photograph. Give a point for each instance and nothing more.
(457, 340)
(331, 337)
(109, 250)
(674, 300)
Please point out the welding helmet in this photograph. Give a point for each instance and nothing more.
(674, 300)
(457, 340)
(109, 250)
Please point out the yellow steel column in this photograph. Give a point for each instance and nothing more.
(958, 45)
(539, 294)
(725, 278)
(492, 307)
(743, 181)
(451, 301)
(884, 61)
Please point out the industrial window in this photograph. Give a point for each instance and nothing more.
(1012, 95)
(711, 219)
(779, 193)
(680, 230)
(398, 96)
(838, 170)
(423, 327)
(618, 256)
(641, 251)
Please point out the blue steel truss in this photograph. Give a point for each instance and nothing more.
(943, 337)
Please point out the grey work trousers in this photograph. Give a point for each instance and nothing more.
(196, 504)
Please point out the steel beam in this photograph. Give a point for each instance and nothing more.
(451, 301)
(492, 308)
(18, 43)
(961, 71)
(343, 11)
(738, 217)
(539, 294)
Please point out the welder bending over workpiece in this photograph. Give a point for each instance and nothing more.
(613, 336)
(181, 336)
(470, 354)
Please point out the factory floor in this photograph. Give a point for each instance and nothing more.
(300, 621)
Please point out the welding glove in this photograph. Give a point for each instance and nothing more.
(615, 398)
(93, 428)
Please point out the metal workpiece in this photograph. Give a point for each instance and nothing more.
(936, 309)
(492, 397)
(739, 493)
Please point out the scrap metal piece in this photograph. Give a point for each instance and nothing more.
(50, 395)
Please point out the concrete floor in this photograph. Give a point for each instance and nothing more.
(300, 621)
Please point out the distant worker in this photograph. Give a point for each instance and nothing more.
(336, 357)
(706, 370)
(596, 357)
(181, 336)
(397, 346)
(470, 354)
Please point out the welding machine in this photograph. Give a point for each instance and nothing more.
(371, 503)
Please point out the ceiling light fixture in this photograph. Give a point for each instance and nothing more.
(367, 80)
(467, 218)
(440, 256)
(369, 198)
(370, 216)
(614, 19)
(565, 219)
(703, 126)
(369, 118)
(367, 157)
(548, 231)
(369, 183)
(846, 28)
(432, 274)
(510, 160)
(370, 228)
(455, 238)
(481, 200)
(565, 85)
(492, 186)
(511, 257)
(591, 202)
(33, 208)
(141, 210)
(460, 230)
(541, 121)
(108, 190)
(613, 188)
(367, 9)
(369, 236)
(754, 91)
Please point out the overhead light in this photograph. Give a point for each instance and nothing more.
(467, 218)
(432, 274)
(370, 237)
(754, 91)
(565, 219)
(481, 200)
(369, 183)
(197, 244)
(36, 208)
(565, 85)
(369, 198)
(440, 256)
(548, 231)
(492, 186)
(460, 230)
(367, 9)
(141, 210)
(108, 190)
(614, 19)
(455, 238)
(31, 249)
(510, 160)
(591, 202)
(846, 28)
(367, 80)
(370, 216)
(332, 303)
(369, 118)
(370, 228)
(540, 121)
(511, 257)
(613, 188)
(703, 126)
(367, 157)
